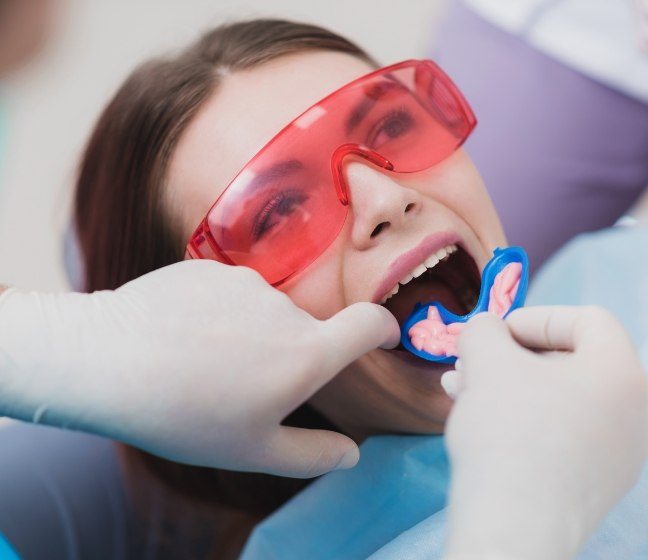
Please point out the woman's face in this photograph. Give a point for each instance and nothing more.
(396, 222)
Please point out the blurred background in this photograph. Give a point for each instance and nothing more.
(51, 104)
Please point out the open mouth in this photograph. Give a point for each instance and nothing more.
(450, 277)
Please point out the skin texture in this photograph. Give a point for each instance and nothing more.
(379, 392)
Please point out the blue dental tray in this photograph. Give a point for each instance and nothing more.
(501, 258)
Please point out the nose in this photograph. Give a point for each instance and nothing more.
(380, 205)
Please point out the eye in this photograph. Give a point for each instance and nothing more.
(393, 125)
(277, 212)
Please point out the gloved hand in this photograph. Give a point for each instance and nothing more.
(542, 444)
(198, 362)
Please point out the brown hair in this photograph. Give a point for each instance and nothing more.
(124, 232)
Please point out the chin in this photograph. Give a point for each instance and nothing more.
(411, 398)
(386, 392)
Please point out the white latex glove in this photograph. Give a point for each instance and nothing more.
(198, 363)
(542, 445)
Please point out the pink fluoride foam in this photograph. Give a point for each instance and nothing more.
(504, 288)
(433, 336)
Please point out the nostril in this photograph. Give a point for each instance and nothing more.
(409, 207)
(380, 227)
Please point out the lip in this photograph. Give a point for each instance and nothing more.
(408, 261)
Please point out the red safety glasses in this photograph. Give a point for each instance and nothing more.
(290, 201)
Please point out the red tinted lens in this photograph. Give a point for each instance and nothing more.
(426, 119)
(280, 214)
(282, 211)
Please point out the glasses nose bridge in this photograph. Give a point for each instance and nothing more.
(337, 162)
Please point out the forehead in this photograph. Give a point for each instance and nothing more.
(247, 110)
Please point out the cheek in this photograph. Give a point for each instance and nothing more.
(319, 289)
(471, 202)
(457, 184)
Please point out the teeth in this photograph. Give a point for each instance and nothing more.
(390, 294)
(406, 279)
(430, 262)
(420, 269)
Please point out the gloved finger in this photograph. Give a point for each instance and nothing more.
(485, 348)
(564, 328)
(356, 330)
(545, 328)
(303, 453)
(452, 382)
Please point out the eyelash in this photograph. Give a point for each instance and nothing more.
(260, 226)
(401, 114)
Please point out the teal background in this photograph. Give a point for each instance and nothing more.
(6, 552)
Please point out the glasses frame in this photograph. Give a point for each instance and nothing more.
(202, 245)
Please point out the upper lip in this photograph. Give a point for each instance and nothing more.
(411, 259)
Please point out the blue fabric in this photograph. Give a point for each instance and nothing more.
(351, 514)
(6, 552)
(391, 506)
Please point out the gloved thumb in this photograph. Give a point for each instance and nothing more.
(565, 328)
(304, 453)
(356, 330)
(485, 344)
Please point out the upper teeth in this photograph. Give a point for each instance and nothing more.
(430, 262)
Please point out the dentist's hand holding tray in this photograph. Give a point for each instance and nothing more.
(549, 382)
(542, 442)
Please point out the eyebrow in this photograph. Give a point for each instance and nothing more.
(361, 109)
(274, 172)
